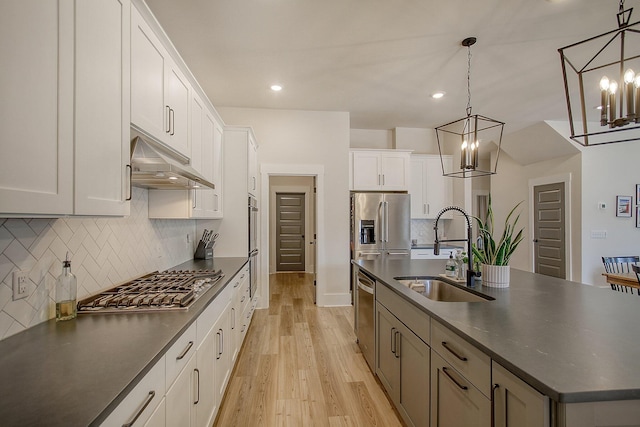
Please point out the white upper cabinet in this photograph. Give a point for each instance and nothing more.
(379, 170)
(252, 158)
(206, 147)
(159, 90)
(102, 110)
(72, 60)
(430, 190)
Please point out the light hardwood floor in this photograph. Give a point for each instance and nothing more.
(300, 366)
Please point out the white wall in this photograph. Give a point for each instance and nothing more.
(511, 185)
(370, 138)
(291, 139)
(609, 170)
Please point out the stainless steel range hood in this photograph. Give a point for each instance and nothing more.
(157, 167)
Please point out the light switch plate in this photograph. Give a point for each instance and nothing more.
(598, 234)
(20, 286)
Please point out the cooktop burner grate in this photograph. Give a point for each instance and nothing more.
(169, 290)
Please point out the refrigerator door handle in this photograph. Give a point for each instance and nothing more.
(386, 221)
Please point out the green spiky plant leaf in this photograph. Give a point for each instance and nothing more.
(492, 252)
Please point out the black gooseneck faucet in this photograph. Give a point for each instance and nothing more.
(471, 275)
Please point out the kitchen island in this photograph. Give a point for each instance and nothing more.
(75, 373)
(571, 342)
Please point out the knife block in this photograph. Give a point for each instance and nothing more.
(203, 251)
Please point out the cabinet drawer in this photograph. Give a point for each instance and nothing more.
(454, 400)
(213, 311)
(415, 319)
(180, 353)
(142, 401)
(463, 356)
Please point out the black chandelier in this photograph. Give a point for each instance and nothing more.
(602, 89)
(467, 134)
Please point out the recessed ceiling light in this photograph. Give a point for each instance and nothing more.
(173, 178)
(437, 95)
(276, 88)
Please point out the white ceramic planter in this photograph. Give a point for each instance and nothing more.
(495, 276)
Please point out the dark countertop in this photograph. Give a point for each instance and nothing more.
(75, 373)
(572, 342)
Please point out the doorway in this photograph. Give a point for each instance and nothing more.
(290, 232)
(549, 229)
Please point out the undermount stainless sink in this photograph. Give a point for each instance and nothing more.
(437, 290)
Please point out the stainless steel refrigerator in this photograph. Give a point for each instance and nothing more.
(380, 225)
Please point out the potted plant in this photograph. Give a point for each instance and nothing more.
(494, 255)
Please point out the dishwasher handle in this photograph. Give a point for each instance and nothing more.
(365, 288)
(365, 282)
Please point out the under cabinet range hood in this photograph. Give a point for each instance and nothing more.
(157, 167)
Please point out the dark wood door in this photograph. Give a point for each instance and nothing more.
(548, 230)
(290, 226)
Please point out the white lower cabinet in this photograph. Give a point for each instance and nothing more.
(222, 365)
(186, 386)
(181, 397)
(402, 365)
(515, 402)
(455, 401)
(206, 404)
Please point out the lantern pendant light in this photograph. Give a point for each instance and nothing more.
(470, 134)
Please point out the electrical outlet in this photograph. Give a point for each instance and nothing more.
(20, 284)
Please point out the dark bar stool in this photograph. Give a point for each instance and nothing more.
(620, 265)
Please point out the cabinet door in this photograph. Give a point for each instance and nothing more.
(102, 117)
(515, 402)
(413, 400)
(148, 110)
(36, 38)
(252, 167)
(439, 188)
(455, 402)
(218, 134)
(417, 189)
(181, 396)
(206, 406)
(395, 171)
(222, 366)
(387, 363)
(366, 170)
(177, 99)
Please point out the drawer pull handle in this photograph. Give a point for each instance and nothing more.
(393, 340)
(446, 346)
(185, 351)
(446, 372)
(148, 400)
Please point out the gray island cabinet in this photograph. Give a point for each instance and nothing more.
(544, 352)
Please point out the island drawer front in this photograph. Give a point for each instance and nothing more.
(180, 353)
(463, 356)
(416, 320)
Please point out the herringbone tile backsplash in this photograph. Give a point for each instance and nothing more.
(103, 252)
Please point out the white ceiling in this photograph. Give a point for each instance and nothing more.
(380, 59)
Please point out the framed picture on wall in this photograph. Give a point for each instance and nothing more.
(637, 194)
(638, 216)
(623, 206)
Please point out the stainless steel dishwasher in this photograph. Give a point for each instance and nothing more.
(365, 316)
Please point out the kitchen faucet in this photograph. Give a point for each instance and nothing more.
(471, 274)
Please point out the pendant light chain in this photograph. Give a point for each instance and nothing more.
(469, 80)
(621, 7)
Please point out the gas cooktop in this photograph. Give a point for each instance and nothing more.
(166, 291)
